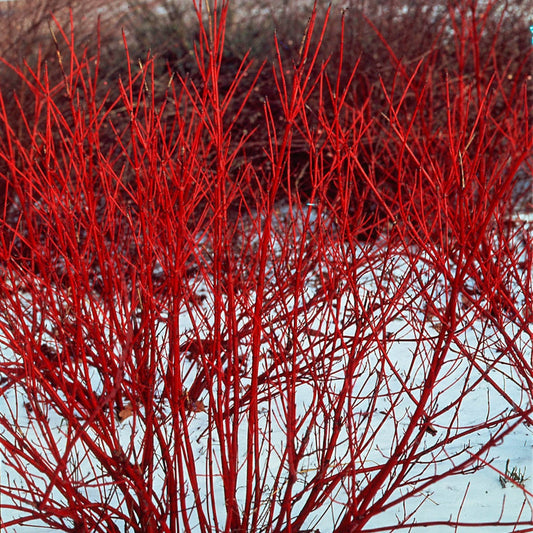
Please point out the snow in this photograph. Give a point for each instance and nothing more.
(461, 398)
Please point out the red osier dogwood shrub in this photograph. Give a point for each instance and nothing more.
(190, 343)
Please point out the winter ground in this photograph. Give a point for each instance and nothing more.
(473, 496)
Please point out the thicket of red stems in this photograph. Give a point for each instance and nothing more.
(187, 343)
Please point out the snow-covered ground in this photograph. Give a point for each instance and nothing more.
(390, 379)
(471, 496)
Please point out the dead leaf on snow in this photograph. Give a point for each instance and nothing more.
(126, 412)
